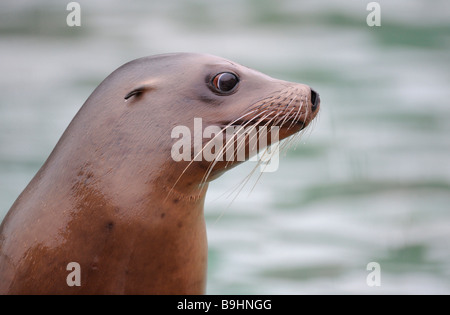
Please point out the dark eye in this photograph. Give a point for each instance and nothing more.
(225, 82)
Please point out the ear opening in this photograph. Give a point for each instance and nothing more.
(137, 92)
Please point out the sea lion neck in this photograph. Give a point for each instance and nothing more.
(122, 170)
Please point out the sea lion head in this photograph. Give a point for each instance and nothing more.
(159, 102)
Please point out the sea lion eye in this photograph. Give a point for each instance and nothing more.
(225, 82)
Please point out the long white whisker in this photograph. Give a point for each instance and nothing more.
(225, 147)
(247, 178)
(203, 148)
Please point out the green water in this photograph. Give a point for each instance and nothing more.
(370, 182)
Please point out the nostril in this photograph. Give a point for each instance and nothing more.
(315, 99)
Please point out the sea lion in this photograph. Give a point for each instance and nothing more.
(111, 198)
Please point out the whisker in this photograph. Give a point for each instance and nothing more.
(272, 152)
(225, 147)
(297, 116)
(288, 114)
(259, 162)
(253, 127)
(201, 152)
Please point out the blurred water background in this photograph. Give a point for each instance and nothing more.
(370, 183)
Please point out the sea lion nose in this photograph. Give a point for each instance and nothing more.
(315, 100)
